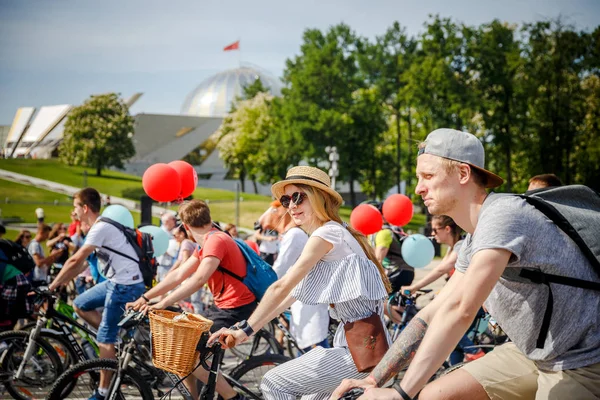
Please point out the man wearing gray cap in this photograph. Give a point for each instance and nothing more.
(555, 350)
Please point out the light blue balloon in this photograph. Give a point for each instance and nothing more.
(160, 239)
(120, 214)
(417, 250)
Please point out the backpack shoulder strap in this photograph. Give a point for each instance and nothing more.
(122, 229)
(225, 270)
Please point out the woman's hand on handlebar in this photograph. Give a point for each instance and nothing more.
(410, 289)
(347, 384)
(228, 337)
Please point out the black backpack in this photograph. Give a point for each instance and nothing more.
(142, 244)
(575, 209)
(15, 254)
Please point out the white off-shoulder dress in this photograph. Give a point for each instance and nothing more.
(346, 278)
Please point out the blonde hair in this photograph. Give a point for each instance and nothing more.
(451, 166)
(326, 209)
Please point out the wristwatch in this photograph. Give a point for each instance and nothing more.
(246, 328)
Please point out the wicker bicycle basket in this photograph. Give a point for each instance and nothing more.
(174, 342)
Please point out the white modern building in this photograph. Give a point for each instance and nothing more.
(158, 138)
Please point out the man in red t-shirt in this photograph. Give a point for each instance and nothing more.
(233, 301)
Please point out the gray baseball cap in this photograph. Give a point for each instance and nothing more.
(462, 147)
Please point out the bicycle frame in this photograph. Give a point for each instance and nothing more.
(208, 390)
(63, 323)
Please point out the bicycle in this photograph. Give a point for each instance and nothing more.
(23, 372)
(57, 314)
(127, 382)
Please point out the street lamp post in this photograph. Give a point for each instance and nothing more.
(333, 164)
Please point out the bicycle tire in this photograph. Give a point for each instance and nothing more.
(60, 390)
(48, 362)
(451, 368)
(267, 345)
(247, 374)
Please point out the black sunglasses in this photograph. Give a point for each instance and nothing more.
(296, 197)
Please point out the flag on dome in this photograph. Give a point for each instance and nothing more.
(232, 46)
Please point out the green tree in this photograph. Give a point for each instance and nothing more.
(495, 65)
(384, 63)
(241, 136)
(323, 98)
(437, 78)
(553, 67)
(98, 134)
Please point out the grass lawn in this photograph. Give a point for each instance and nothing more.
(30, 198)
(221, 202)
(110, 182)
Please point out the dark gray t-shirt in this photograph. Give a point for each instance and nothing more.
(573, 341)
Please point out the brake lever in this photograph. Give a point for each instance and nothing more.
(127, 317)
(352, 394)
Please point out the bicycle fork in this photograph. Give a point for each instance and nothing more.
(30, 349)
(208, 390)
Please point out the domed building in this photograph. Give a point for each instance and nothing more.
(215, 95)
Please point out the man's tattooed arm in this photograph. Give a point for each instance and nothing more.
(401, 352)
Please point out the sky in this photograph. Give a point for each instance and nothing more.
(62, 51)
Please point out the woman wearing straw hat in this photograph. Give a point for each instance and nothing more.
(336, 267)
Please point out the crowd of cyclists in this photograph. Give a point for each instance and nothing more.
(349, 299)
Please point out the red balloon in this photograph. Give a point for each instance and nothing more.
(398, 209)
(187, 175)
(161, 183)
(366, 219)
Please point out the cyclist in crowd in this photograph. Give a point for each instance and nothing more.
(124, 279)
(338, 267)
(388, 246)
(543, 181)
(309, 323)
(447, 232)
(505, 234)
(42, 263)
(268, 238)
(23, 238)
(58, 239)
(168, 259)
(233, 301)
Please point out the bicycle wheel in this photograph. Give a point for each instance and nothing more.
(87, 375)
(249, 373)
(39, 373)
(445, 371)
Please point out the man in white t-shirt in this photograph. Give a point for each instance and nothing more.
(124, 280)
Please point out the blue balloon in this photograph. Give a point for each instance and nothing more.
(417, 250)
(120, 214)
(160, 239)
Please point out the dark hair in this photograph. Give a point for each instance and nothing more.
(2, 229)
(21, 236)
(195, 213)
(546, 180)
(445, 221)
(43, 228)
(89, 197)
(181, 229)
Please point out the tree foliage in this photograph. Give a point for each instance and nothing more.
(530, 93)
(98, 134)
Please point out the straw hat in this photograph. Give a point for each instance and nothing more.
(310, 176)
